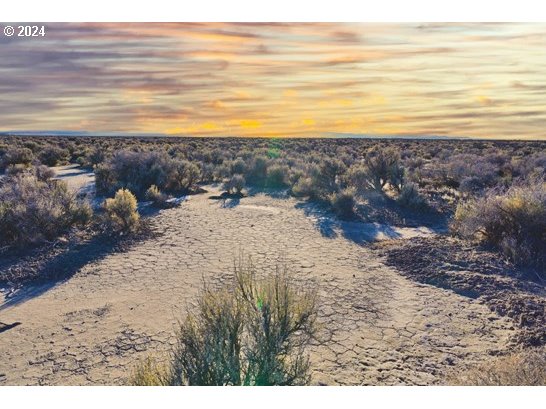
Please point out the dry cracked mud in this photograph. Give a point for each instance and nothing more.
(377, 326)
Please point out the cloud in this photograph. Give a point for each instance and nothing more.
(277, 78)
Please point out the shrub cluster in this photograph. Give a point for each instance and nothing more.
(138, 171)
(514, 221)
(417, 174)
(16, 156)
(34, 208)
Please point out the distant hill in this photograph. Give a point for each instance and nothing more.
(335, 135)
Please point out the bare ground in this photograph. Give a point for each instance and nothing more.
(378, 327)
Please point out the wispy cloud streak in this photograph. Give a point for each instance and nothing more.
(270, 79)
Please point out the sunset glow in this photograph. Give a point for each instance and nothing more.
(278, 79)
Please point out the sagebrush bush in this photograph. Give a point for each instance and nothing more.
(16, 156)
(411, 198)
(326, 177)
(357, 176)
(304, 187)
(277, 176)
(43, 173)
(16, 169)
(257, 172)
(526, 368)
(320, 181)
(34, 210)
(53, 156)
(158, 198)
(383, 166)
(313, 168)
(235, 184)
(149, 372)
(252, 331)
(343, 203)
(514, 221)
(121, 214)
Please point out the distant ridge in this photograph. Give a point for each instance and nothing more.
(76, 133)
(334, 135)
(401, 136)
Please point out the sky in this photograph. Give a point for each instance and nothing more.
(278, 79)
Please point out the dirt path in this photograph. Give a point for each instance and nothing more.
(378, 327)
(77, 178)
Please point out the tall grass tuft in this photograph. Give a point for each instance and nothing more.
(252, 331)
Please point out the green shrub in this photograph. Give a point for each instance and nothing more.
(252, 331)
(34, 210)
(121, 212)
(514, 221)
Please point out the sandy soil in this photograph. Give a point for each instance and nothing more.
(78, 179)
(378, 327)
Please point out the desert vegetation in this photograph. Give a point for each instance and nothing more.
(121, 212)
(490, 192)
(524, 368)
(252, 331)
(483, 201)
(513, 220)
(34, 208)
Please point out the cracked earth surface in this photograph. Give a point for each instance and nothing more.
(377, 327)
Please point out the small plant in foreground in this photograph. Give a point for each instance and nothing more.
(253, 331)
(150, 373)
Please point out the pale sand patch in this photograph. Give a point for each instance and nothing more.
(77, 179)
(377, 326)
